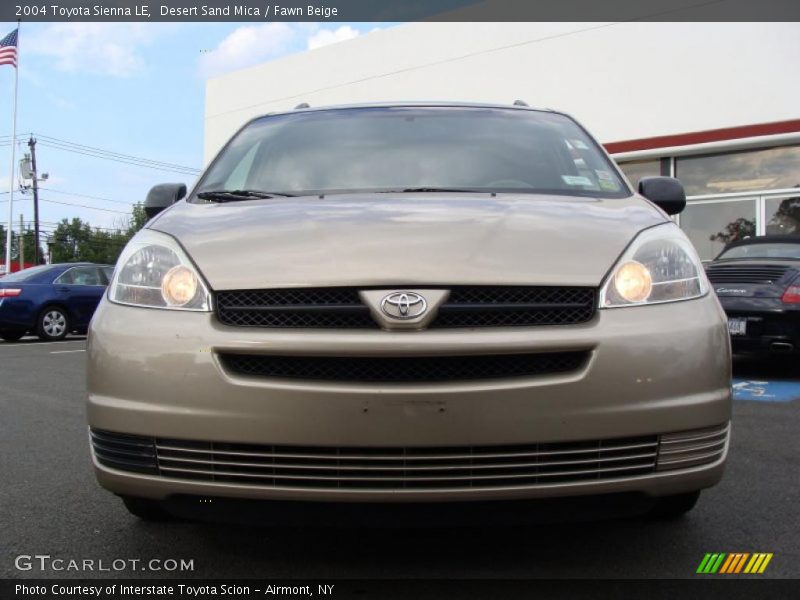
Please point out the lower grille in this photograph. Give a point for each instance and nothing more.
(412, 468)
(692, 448)
(403, 369)
(400, 468)
(125, 452)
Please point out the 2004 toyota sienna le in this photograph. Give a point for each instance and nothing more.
(410, 303)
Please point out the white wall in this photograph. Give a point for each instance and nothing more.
(623, 81)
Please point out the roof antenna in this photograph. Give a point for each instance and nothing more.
(302, 105)
(521, 103)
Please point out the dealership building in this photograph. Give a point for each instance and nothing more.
(715, 104)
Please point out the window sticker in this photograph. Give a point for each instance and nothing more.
(604, 175)
(576, 180)
(580, 144)
(611, 186)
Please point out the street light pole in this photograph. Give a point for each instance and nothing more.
(21, 242)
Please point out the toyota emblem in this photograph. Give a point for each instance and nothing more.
(404, 305)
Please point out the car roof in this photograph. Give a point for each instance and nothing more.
(80, 264)
(409, 104)
(765, 239)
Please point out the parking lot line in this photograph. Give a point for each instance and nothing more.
(67, 343)
(68, 351)
(38, 344)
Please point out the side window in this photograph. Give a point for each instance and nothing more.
(81, 276)
(107, 273)
(66, 278)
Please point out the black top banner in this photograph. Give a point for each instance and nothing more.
(400, 10)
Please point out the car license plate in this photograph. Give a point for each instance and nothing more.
(737, 326)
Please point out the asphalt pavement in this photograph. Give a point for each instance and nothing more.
(51, 505)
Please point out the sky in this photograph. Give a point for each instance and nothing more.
(129, 88)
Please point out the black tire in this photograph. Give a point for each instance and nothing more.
(146, 509)
(11, 336)
(53, 324)
(672, 507)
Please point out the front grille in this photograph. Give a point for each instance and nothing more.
(393, 468)
(515, 306)
(327, 308)
(403, 369)
(467, 306)
(763, 274)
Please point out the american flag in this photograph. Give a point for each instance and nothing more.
(8, 49)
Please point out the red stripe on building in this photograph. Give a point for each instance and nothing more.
(702, 137)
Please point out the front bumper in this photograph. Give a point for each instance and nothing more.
(653, 370)
(772, 326)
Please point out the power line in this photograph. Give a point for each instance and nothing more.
(49, 189)
(97, 152)
(53, 225)
(118, 160)
(117, 154)
(85, 206)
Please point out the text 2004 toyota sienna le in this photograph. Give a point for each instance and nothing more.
(410, 302)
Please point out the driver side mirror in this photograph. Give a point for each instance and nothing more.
(665, 192)
(163, 196)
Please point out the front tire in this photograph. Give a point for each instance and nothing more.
(146, 509)
(53, 324)
(673, 507)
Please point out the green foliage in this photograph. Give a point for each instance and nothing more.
(27, 240)
(735, 230)
(76, 241)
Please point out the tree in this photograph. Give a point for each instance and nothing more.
(27, 240)
(77, 241)
(735, 230)
(787, 218)
(138, 219)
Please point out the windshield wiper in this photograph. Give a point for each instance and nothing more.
(238, 195)
(432, 189)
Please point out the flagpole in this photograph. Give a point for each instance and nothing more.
(13, 149)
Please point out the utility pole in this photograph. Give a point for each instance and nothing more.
(32, 146)
(21, 243)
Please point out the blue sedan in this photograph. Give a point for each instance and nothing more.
(51, 300)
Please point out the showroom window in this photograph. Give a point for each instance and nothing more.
(713, 223)
(736, 172)
(635, 170)
(782, 215)
(731, 195)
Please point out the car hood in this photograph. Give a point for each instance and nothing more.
(404, 239)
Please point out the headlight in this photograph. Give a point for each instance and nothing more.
(659, 266)
(154, 271)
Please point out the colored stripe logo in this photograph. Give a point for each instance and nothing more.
(734, 563)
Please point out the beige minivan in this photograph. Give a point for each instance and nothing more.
(410, 302)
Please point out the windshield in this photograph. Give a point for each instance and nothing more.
(776, 250)
(26, 274)
(413, 148)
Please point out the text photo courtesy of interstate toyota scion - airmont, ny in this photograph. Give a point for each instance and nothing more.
(277, 300)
